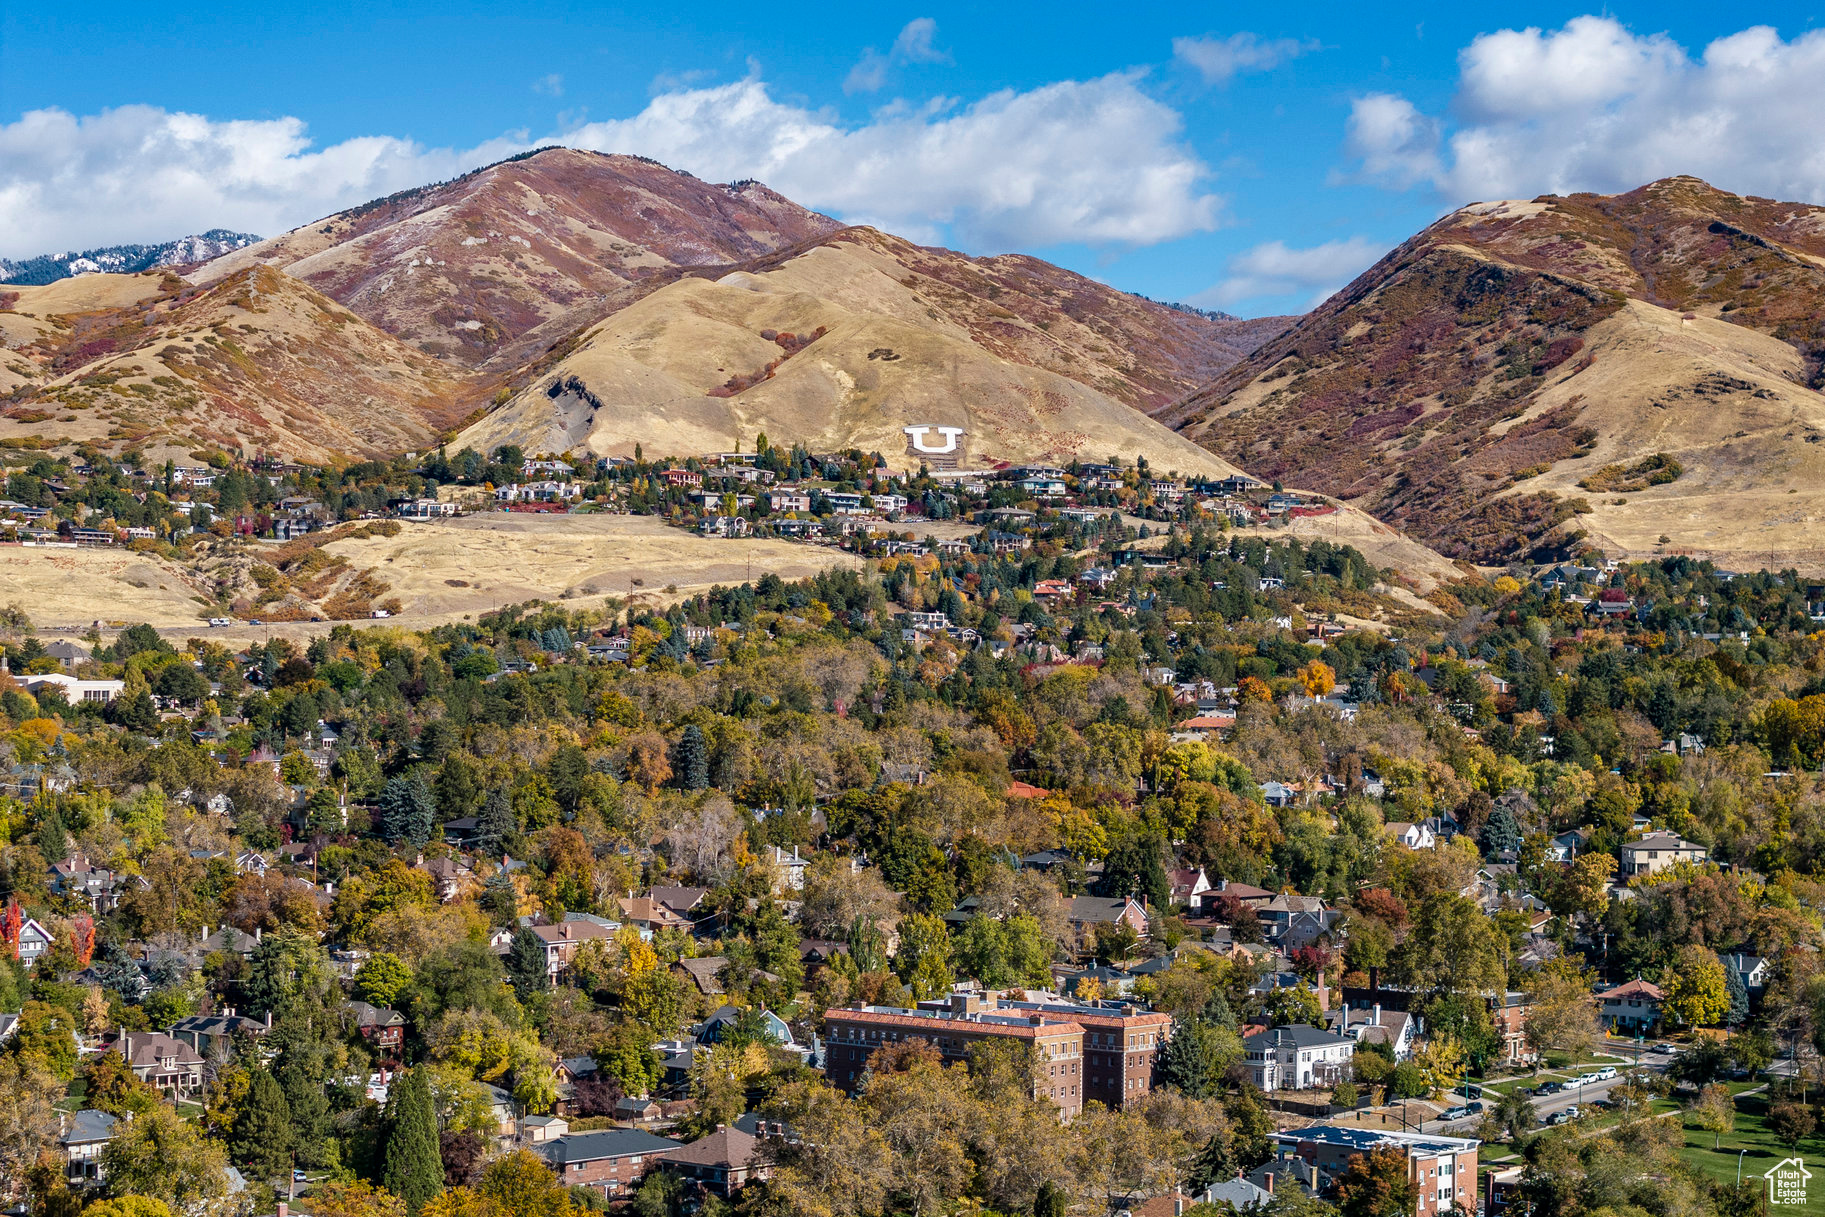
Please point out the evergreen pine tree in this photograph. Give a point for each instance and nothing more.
(53, 838)
(135, 711)
(261, 1139)
(691, 759)
(1185, 1063)
(1738, 1012)
(1052, 1200)
(496, 822)
(500, 899)
(408, 810)
(414, 1170)
(526, 966)
(1502, 832)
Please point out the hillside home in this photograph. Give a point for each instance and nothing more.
(34, 941)
(82, 1138)
(612, 1161)
(721, 1163)
(1296, 1057)
(1188, 887)
(1752, 970)
(1395, 1028)
(1291, 921)
(1657, 851)
(212, 1035)
(164, 1062)
(1631, 1007)
(1087, 913)
(381, 1027)
(1566, 846)
(563, 941)
(1413, 836)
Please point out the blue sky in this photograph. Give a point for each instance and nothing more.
(1251, 160)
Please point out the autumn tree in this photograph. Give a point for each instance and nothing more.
(1714, 1111)
(1791, 1122)
(161, 1156)
(1377, 1184)
(1696, 992)
(1561, 1013)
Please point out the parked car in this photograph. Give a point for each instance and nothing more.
(219, 621)
(1474, 1107)
(1548, 1088)
(1454, 1113)
(1560, 1117)
(1606, 1073)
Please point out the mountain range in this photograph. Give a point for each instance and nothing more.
(1641, 371)
(124, 259)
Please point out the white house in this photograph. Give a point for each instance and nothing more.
(34, 940)
(1297, 1058)
(1413, 836)
(1395, 1028)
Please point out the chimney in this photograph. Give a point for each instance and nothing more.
(1268, 1183)
(1375, 1016)
(1343, 1028)
(269, 1020)
(257, 931)
(284, 1210)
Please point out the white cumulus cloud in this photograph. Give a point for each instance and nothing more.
(1595, 106)
(1276, 269)
(1095, 161)
(1218, 60)
(140, 173)
(916, 43)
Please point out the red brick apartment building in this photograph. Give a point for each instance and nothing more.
(1442, 1169)
(854, 1034)
(1121, 1044)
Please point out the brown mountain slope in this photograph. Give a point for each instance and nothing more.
(256, 361)
(1476, 385)
(463, 269)
(1033, 363)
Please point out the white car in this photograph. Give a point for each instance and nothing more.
(1606, 1073)
(220, 621)
(380, 613)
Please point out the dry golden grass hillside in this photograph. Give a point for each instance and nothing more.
(255, 362)
(701, 366)
(1525, 375)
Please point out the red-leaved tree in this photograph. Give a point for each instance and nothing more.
(82, 938)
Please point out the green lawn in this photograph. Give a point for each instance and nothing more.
(1763, 1152)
